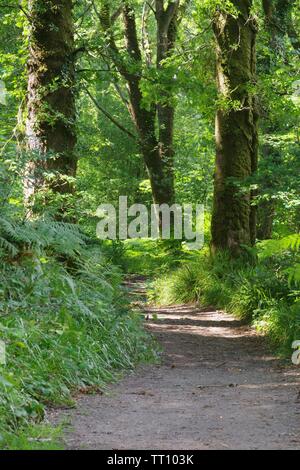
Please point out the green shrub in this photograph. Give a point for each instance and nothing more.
(281, 323)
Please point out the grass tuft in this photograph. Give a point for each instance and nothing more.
(261, 293)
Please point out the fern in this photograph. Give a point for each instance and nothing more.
(8, 247)
(294, 273)
(289, 244)
(270, 247)
(40, 235)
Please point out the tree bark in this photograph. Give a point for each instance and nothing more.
(266, 213)
(166, 36)
(234, 218)
(50, 126)
(158, 170)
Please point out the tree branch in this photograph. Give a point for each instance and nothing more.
(14, 7)
(151, 7)
(166, 29)
(105, 22)
(25, 13)
(132, 43)
(170, 12)
(145, 36)
(116, 14)
(109, 116)
(165, 16)
(82, 16)
(121, 94)
(159, 7)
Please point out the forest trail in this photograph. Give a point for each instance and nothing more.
(218, 387)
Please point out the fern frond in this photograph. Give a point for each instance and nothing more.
(270, 247)
(39, 235)
(8, 247)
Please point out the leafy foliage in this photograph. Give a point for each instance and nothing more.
(63, 316)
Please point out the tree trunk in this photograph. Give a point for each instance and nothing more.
(158, 166)
(234, 218)
(160, 175)
(50, 126)
(266, 213)
(166, 19)
(158, 151)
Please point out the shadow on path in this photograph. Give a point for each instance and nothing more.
(217, 387)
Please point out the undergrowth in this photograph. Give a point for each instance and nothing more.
(65, 325)
(264, 292)
(148, 257)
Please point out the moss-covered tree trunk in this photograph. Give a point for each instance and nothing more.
(234, 218)
(50, 126)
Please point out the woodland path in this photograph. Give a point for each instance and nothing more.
(217, 387)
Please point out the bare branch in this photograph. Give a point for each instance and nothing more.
(151, 7)
(82, 16)
(121, 94)
(25, 13)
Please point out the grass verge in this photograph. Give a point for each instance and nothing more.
(263, 292)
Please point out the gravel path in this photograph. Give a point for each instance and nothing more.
(217, 387)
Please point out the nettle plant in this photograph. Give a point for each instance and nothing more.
(296, 354)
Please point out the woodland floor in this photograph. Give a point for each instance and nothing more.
(217, 387)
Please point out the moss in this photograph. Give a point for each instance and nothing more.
(233, 221)
(50, 126)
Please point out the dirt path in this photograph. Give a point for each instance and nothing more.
(217, 388)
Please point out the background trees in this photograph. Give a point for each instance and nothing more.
(145, 83)
(276, 57)
(233, 219)
(140, 60)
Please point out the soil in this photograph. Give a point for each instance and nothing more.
(217, 387)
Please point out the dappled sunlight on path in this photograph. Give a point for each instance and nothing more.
(218, 387)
